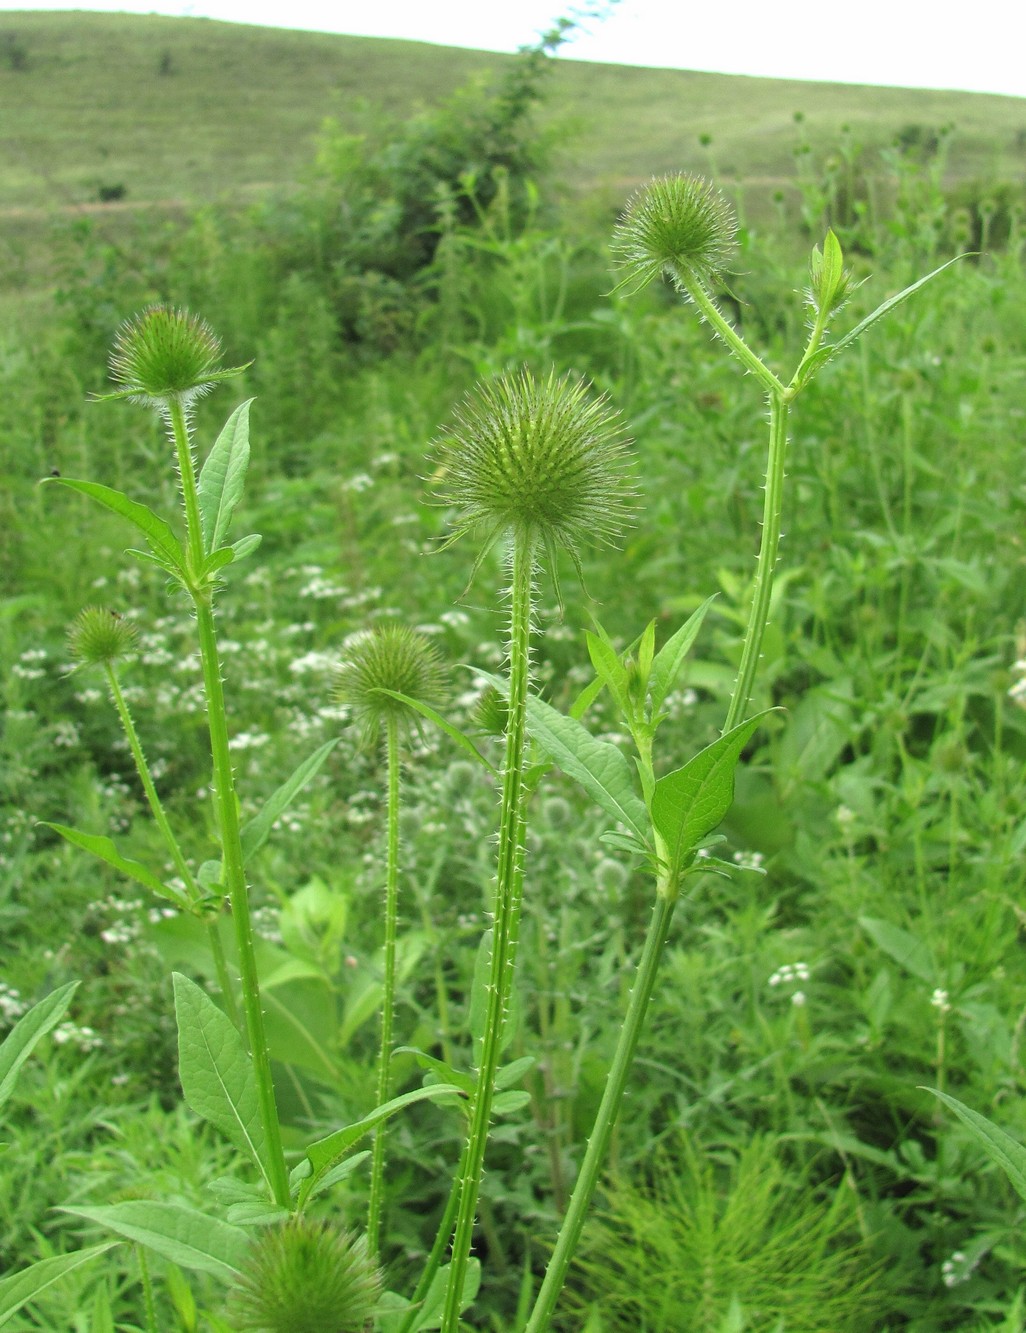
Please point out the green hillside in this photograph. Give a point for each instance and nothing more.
(156, 109)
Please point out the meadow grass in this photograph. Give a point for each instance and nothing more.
(799, 1011)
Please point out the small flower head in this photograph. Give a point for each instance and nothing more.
(540, 460)
(99, 637)
(306, 1277)
(388, 657)
(165, 355)
(678, 225)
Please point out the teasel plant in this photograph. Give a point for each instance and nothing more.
(681, 228)
(540, 465)
(385, 671)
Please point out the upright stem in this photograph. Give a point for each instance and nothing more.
(505, 928)
(605, 1119)
(771, 514)
(180, 863)
(228, 819)
(388, 1003)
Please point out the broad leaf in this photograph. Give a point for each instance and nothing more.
(327, 1152)
(20, 1288)
(105, 849)
(669, 659)
(610, 670)
(599, 767)
(818, 360)
(1000, 1147)
(246, 545)
(221, 481)
(184, 1235)
(689, 802)
(394, 1310)
(216, 1072)
(455, 1077)
(17, 1046)
(161, 540)
(258, 829)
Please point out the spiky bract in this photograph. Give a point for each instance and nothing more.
(678, 225)
(306, 1277)
(540, 459)
(390, 656)
(164, 355)
(99, 637)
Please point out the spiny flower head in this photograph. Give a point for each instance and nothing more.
(390, 656)
(678, 225)
(164, 355)
(99, 637)
(306, 1277)
(537, 459)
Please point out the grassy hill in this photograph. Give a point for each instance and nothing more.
(160, 109)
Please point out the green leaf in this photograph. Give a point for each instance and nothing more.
(1000, 1147)
(906, 950)
(223, 477)
(258, 829)
(161, 540)
(246, 545)
(18, 1045)
(393, 1310)
(184, 1235)
(20, 1288)
(454, 1077)
(216, 1072)
(818, 360)
(105, 849)
(332, 1177)
(454, 733)
(327, 1152)
(610, 670)
(689, 802)
(669, 659)
(599, 767)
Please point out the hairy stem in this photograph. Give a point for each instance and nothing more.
(228, 821)
(388, 1003)
(506, 923)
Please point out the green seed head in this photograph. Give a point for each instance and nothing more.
(388, 657)
(678, 225)
(99, 637)
(165, 355)
(306, 1277)
(537, 459)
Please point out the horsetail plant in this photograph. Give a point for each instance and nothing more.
(384, 667)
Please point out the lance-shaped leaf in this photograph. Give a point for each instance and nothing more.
(17, 1046)
(20, 1288)
(106, 850)
(818, 360)
(326, 1152)
(184, 1235)
(1000, 1147)
(166, 548)
(223, 477)
(598, 766)
(670, 658)
(689, 802)
(216, 1072)
(432, 715)
(258, 829)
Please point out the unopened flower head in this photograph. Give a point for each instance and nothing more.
(99, 637)
(164, 355)
(537, 459)
(394, 657)
(306, 1277)
(678, 225)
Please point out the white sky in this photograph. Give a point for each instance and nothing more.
(906, 43)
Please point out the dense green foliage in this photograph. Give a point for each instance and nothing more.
(776, 1143)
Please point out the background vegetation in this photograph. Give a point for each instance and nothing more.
(776, 1144)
